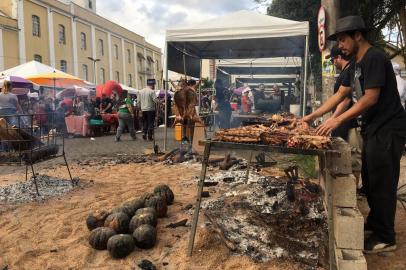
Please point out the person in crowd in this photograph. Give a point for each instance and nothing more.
(382, 127)
(169, 110)
(106, 104)
(222, 104)
(97, 102)
(40, 117)
(276, 92)
(9, 104)
(125, 118)
(114, 102)
(246, 104)
(401, 83)
(63, 110)
(146, 103)
(258, 96)
(49, 105)
(80, 106)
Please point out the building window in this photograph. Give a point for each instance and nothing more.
(117, 76)
(141, 58)
(83, 44)
(62, 39)
(35, 26)
(102, 75)
(85, 72)
(90, 4)
(157, 65)
(116, 51)
(38, 58)
(64, 66)
(101, 47)
(130, 80)
(129, 56)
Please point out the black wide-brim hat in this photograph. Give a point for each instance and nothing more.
(335, 51)
(346, 24)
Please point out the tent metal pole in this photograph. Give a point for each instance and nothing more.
(184, 63)
(200, 87)
(166, 97)
(305, 75)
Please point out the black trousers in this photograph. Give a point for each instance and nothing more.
(381, 156)
(148, 119)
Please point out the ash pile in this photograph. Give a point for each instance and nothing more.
(270, 218)
(48, 187)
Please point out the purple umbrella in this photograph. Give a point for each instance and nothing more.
(161, 93)
(18, 82)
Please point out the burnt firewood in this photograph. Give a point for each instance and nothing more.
(210, 184)
(177, 224)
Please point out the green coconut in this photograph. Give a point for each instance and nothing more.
(120, 245)
(140, 219)
(98, 237)
(164, 191)
(118, 221)
(96, 219)
(159, 204)
(145, 236)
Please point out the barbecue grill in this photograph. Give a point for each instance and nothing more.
(327, 164)
(27, 139)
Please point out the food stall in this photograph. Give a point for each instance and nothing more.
(239, 35)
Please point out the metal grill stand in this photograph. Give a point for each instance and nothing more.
(23, 142)
(331, 163)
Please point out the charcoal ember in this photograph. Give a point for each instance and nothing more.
(273, 192)
(258, 220)
(146, 265)
(228, 179)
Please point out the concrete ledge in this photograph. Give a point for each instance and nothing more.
(341, 164)
(350, 260)
(348, 228)
(344, 191)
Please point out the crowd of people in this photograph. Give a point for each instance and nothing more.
(250, 101)
(130, 111)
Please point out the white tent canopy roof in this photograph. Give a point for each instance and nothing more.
(30, 69)
(239, 25)
(239, 35)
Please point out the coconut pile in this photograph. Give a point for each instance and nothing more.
(269, 217)
(132, 224)
(48, 187)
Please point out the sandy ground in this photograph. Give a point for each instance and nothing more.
(53, 234)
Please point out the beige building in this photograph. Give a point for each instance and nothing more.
(66, 33)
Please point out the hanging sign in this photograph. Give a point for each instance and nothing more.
(321, 28)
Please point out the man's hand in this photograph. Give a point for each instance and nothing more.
(308, 119)
(328, 126)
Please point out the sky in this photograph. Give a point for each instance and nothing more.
(151, 18)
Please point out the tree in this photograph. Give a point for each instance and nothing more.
(301, 10)
(377, 14)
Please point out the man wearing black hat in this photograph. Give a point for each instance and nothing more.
(383, 129)
(146, 102)
(345, 65)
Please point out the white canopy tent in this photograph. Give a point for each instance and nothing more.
(29, 69)
(239, 35)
